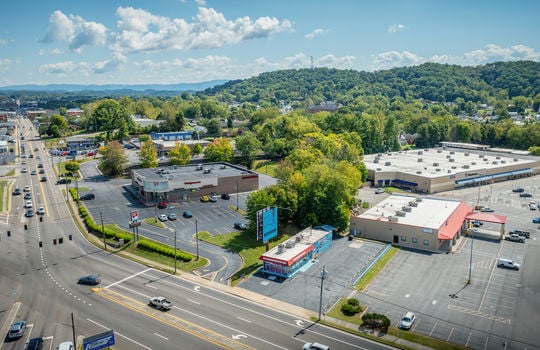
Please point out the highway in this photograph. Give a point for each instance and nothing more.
(39, 284)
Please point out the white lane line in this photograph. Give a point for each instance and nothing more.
(161, 336)
(193, 301)
(243, 319)
(120, 334)
(127, 278)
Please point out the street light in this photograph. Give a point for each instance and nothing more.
(470, 261)
(103, 231)
(175, 250)
(197, 238)
(236, 194)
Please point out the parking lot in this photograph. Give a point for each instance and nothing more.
(498, 308)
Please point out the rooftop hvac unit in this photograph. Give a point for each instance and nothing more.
(449, 171)
(437, 169)
(503, 161)
(174, 167)
(387, 163)
(480, 156)
(448, 156)
(439, 151)
(289, 244)
(379, 169)
(199, 167)
(376, 160)
(223, 167)
(413, 204)
(299, 238)
(400, 213)
(392, 219)
(451, 160)
(473, 163)
(466, 154)
(426, 149)
(498, 157)
(515, 159)
(452, 152)
(435, 164)
(406, 209)
(419, 199)
(419, 172)
(420, 152)
(207, 171)
(454, 167)
(466, 166)
(281, 248)
(380, 154)
(420, 160)
(494, 162)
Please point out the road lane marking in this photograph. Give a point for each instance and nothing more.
(127, 278)
(120, 334)
(161, 336)
(243, 319)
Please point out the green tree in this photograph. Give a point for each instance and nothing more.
(148, 155)
(180, 154)
(213, 127)
(113, 160)
(247, 145)
(72, 167)
(197, 149)
(110, 115)
(220, 150)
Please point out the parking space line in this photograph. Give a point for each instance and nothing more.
(433, 329)
(450, 334)
(458, 308)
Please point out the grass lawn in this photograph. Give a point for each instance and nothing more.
(245, 244)
(375, 269)
(335, 312)
(3, 187)
(154, 222)
(265, 166)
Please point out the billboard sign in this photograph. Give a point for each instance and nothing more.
(267, 224)
(99, 341)
(134, 215)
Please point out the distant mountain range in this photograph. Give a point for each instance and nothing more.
(114, 87)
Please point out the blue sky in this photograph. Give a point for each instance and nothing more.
(185, 41)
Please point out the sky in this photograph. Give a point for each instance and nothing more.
(189, 41)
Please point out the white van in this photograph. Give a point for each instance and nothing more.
(507, 263)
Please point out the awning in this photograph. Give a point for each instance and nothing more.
(484, 178)
(404, 182)
(523, 171)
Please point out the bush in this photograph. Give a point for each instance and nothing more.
(351, 308)
(163, 249)
(376, 321)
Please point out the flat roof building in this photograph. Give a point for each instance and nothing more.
(181, 183)
(442, 169)
(421, 222)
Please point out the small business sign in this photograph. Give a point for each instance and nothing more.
(99, 341)
(134, 216)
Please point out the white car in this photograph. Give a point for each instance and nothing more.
(28, 204)
(379, 190)
(532, 206)
(162, 217)
(407, 320)
(315, 346)
(41, 210)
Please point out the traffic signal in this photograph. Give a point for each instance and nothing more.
(54, 241)
(9, 233)
(25, 226)
(60, 240)
(40, 244)
(70, 237)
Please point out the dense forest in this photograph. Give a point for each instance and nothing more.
(429, 81)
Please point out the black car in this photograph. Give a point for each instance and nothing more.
(240, 226)
(92, 280)
(518, 190)
(34, 344)
(63, 181)
(87, 196)
(187, 214)
(525, 194)
(16, 191)
(225, 196)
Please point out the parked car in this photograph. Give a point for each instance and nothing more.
(41, 210)
(162, 217)
(379, 190)
(407, 320)
(187, 214)
(16, 191)
(518, 190)
(213, 198)
(87, 197)
(28, 204)
(515, 238)
(477, 223)
(63, 181)
(521, 233)
(172, 216)
(29, 213)
(205, 199)
(162, 205)
(34, 344)
(17, 330)
(525, 194)
(536, 220)
(26, 188)
(65, 346)
(28, 195)
(92, 280)
(225, 196)
(240, 226)
(487, 210)
(507, 263)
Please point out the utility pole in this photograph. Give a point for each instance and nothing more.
(197, 238)
(323, 276)
(236, 194)
(103, 231)
(470, 261)
(73, 331)
(175, 250)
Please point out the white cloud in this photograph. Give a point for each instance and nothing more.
(5, 64)
(490, 53)
(331, 61)
(315, 33)
(139, 30)
(395, 28)
(109, 65)
(201, 2)
(75, 31)
(3, 42)
(64, 68)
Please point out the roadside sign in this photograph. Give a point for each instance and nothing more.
(99, 341)
(134, 216)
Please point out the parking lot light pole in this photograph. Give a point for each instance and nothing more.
(323, 276)
(236, 194)
(103, 231)
(175, 250)
(470, 261)
(197, 238)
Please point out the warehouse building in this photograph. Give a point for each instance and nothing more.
(447, 168)
(420, 222)
(182, 183)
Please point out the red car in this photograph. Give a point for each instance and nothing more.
(90, 154)
(162, 205)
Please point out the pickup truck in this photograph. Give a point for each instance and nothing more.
(160, 303)
(521, 233)
(515, 238)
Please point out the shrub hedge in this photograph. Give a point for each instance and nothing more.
(163, 249)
